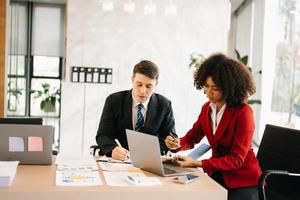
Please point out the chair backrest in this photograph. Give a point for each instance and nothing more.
(13, 120)
(280, 150)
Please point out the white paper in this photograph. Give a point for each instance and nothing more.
(143, 181)
(109, 159)
(7, 172)
(77, 178)
(95, 77)
(89, 77)
(108, 166)
(76, 167)
(114, 178)
(77, 172)
(129, 179)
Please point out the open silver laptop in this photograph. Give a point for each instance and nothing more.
(145, 154)
(29, 144)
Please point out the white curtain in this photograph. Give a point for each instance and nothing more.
(48, 30)
(18, 29)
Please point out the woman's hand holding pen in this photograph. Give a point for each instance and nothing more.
(172, 141)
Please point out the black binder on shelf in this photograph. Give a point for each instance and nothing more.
(82, 74)
(74, 74)
(91, 75)
(108, 78)
(95, 75)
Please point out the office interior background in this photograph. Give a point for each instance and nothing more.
(79, 51)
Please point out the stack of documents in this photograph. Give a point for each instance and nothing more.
(77, 172)
(7, 172)
(123, 173)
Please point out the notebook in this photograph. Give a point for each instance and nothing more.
(199, 151)
(145, 154)
(29, 144)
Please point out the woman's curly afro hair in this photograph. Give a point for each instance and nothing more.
(232, 77)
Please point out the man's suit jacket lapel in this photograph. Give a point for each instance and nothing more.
(127, 110)
(151, 113)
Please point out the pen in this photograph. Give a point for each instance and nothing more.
(118, 143)
(133, 179)
(173, 135)
(114, 161)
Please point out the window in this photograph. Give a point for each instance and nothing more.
(286, 91)
(35, 60)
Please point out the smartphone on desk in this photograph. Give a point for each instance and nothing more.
(186, 178)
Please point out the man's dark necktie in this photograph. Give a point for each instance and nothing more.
(140, 118)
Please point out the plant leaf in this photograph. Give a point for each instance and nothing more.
(254, 101)
(43, 104)
(244, 60)
(52, 100)
(237, 54)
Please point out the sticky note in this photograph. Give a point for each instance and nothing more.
(15, 144)
(35, 143)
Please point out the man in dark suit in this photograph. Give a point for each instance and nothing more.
(136, 109)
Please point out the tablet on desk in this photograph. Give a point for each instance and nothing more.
(199, 151)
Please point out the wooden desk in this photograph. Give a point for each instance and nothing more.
(38, 182)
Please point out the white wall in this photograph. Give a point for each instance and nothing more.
(119, 40)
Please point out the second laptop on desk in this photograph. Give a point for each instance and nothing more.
(29, 144)
(145, 154)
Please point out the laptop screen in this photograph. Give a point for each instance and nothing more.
(145, 153)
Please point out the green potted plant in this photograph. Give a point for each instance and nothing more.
(243, 59)
(49, 97)
(196, 60)
(14, 94)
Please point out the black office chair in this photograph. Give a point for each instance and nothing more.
(24, 120)
(279, 159)
(95, 150)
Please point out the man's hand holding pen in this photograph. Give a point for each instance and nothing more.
(172, 141)
(119, 153)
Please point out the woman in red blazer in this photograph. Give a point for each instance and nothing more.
(228, 123)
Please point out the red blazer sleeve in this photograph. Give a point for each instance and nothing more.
(194, 135)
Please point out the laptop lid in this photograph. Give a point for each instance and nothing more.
(145, 154)
(14, 120)
(29, 144)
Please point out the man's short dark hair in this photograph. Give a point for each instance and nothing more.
(146, 68)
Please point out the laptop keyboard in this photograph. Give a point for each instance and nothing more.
(169, 171)
(172, 169)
